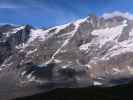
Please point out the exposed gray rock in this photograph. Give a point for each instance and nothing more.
(87, 52)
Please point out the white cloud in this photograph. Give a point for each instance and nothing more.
(8, 24)
(118, 13)
(8, 5)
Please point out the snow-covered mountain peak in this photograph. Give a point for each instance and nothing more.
(90, 51)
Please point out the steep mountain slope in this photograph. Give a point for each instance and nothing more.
(87, 52)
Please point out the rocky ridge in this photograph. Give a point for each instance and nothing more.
(94, 51)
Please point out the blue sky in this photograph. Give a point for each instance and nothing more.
(47, 13)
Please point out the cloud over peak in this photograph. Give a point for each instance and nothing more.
(118, 13)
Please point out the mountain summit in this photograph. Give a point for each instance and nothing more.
(94, 51)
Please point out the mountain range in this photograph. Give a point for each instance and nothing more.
(94, 51)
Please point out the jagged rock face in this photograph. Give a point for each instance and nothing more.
(87, 52)
(11, 37)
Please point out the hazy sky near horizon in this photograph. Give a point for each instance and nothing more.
(47, 13)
